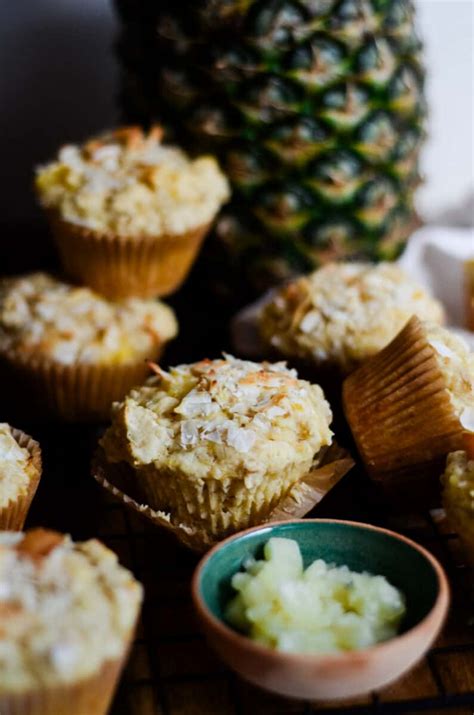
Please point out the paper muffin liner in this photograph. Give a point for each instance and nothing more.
(38, 387)
(126, 266)
(89, 696)
(329, 466)
(220, 506)
(402, 418)
(13, 515)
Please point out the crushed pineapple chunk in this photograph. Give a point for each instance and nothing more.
(324, 608)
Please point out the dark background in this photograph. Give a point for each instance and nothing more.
(58, 81)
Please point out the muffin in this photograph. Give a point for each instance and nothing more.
(129, 213)
(409, 406)
(20, 472)
(67, 616)
(217, 444)
(71, 352)
(338, 316)
(458, 497)
(469, 292)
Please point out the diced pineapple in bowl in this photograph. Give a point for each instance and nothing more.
(320, 609)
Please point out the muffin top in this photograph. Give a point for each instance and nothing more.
(457, 365)
(16, 467)
(129, 183)
(344, 312)
(65, 608)
(40, 315)
(221, 419)
(458, 481)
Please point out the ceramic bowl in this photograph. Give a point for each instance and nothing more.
(361, 547)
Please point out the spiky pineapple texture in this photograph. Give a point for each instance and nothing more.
(314, 107)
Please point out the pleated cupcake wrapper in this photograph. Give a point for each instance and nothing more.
(13, 515)
(199, 534)
(120, 266)
(39, 387)
(221, 506)
(401, 416)
(468, 444)
(89, 696)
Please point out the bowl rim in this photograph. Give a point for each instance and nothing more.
(434, 619)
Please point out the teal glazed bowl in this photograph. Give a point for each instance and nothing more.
(361, 547)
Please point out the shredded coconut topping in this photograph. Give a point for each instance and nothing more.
(15, 467)
(131, 184)
(219, 418)
(41, 315)
(65, 609)
(344, 312)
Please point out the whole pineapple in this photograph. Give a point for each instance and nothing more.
(314, 107)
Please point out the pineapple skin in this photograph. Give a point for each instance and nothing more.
(315, 109)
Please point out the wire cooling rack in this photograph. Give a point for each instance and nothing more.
(171, 670)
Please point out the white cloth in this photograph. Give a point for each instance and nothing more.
(435, 257)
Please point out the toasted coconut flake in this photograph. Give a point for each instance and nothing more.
(189, 433)
(157, 370)
(240, 439)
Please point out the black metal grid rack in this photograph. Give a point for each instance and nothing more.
(171, 670)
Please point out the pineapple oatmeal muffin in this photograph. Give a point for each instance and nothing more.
(67, 616)
(458, 496)
(79, 349)
(70, 324)
(343, 313)
(412, 404)
(20, 472)
(456, 362)
(128, 212)
(218, 443)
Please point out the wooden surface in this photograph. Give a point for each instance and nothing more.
(171, 670)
